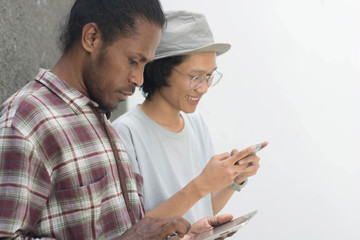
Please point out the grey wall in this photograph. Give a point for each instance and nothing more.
(29, 30)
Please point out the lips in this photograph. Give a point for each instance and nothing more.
(127, 93)
(122, 96)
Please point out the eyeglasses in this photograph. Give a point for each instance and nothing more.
(197, 81)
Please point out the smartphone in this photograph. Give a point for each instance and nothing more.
(258, 147)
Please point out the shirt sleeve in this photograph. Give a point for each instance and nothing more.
(128, 143)
(24, 184)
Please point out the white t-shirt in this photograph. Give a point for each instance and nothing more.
(167, 161)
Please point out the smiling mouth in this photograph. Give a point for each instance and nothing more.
(193, 99)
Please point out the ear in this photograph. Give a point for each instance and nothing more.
(91, 37)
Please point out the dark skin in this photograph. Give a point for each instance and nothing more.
(108, 74)
(157, 228)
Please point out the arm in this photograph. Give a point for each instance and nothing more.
(220, 198)
(24, 185)
(219, 173)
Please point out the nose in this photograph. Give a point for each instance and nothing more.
(203, 88)
(137, 77)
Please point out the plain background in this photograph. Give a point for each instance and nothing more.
(292, 77)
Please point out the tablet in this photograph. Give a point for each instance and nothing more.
(224, 229)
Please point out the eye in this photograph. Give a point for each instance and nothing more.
(133, 62)
(195, 78)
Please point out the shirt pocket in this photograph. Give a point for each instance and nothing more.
(81, 210)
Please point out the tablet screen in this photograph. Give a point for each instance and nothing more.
(224, 229)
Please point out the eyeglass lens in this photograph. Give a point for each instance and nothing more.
(212, 80)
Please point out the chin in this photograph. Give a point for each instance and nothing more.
(188, 110)
(108, 107)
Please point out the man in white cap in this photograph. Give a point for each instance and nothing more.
(166, 138)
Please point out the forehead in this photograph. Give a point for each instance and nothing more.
(142, 43)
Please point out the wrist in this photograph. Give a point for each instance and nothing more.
(200, 187)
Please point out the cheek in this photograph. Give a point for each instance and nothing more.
(177, 92)
(115, 79)
(113, 75)
(180, 86)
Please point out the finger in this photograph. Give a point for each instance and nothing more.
(181, 226)
(250, 159)
(264, 144)
(244, 165)
(175, 224)
(220, 219)
(241, 154)
(234, 151)
(240, 179)
(220, 238)
(222, 156)
(239, 169)
(247, 172)
(251, 170)
(247, 167)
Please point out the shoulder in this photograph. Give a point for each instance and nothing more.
(129, 120)
(126, 122)
(31, 108)
(23, 105)
(194, 119)
(21, 117)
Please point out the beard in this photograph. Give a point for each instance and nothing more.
(92, 75)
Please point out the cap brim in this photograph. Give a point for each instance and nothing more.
(219, 48)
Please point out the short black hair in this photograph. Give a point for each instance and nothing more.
(156, 72)
(115, 18)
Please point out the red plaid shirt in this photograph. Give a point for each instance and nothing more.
(59, 175)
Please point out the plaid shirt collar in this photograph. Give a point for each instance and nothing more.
(77, 101)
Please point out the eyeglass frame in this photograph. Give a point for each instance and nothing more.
(206, 77)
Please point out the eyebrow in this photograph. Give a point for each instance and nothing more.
(142, 58)
(199, 71)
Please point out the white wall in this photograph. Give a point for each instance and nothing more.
(292, 77)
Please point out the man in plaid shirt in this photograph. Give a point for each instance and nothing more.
(64, 173)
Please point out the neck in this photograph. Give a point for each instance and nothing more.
(69, 69)
(163, 114)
